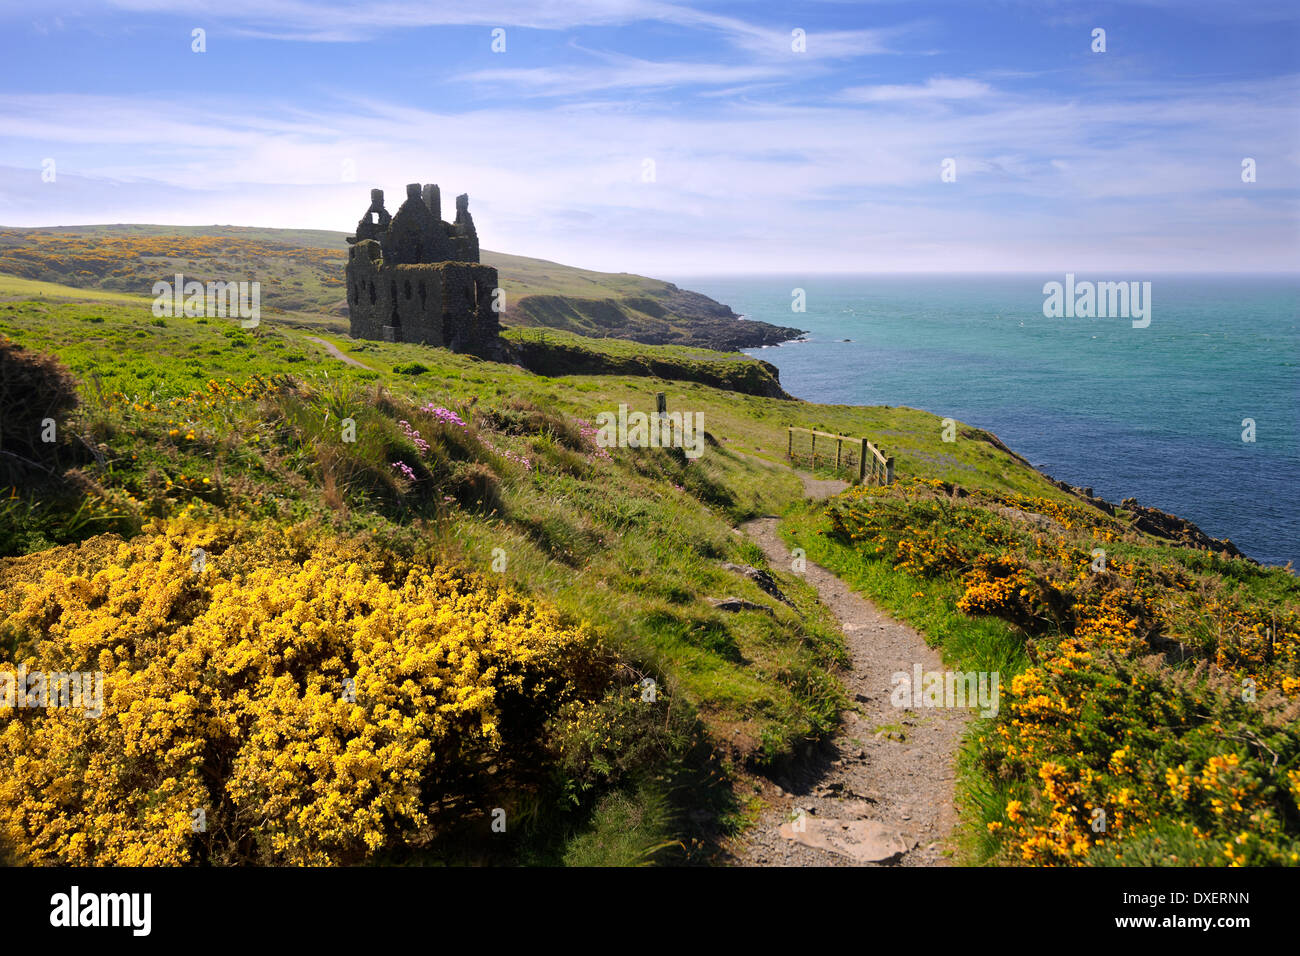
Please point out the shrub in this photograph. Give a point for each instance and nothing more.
(1149, 752)
(617, 739)
(34, 388)
(475, 485)
(521, 417)
(1157, 723)
(224, 689)
(410, 368)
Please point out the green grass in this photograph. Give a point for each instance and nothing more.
(625, 830)
(125, 350)
(19, 288)
(634, 544)
(929, 605)
(639, 563)
(311, 238)
(622, 348)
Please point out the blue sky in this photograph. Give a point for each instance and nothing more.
(764, 158)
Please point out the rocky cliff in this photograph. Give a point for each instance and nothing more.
(670, 316)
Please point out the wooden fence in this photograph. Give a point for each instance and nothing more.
(856, 458)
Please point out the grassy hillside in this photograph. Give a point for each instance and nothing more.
(550, 352)
(199, 420)
(477, 486)
(547, 351)
(13, 287)
(301, 274)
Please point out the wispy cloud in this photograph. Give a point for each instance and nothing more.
(858, 183)
(936, 88)
(350, 21)
(762, 158)
(617, 73)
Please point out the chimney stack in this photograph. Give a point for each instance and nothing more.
(433, 199)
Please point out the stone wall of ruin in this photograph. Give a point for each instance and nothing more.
(415, 278)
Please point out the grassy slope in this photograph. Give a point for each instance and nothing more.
(639, 561)
(527, 276)
(120, 345)
(14, 287)
(300, 271)
(539, 349)
(621, 348)
(307, 238)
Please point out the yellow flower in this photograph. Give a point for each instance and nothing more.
(248, 661)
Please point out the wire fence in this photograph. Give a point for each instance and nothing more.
(855, 458)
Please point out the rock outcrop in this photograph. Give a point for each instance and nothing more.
(673, 317)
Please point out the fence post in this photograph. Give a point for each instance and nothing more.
(839, 448)
(789, 443)
(812, 452)
(862, 463)
(889, 470)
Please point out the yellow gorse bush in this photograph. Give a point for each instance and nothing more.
(315, 704)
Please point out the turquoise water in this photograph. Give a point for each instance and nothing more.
(1154, 413)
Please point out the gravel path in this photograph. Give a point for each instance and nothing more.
(334, 351)
(821, 487)
(881, 791)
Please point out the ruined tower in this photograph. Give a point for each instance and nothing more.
(412, 277)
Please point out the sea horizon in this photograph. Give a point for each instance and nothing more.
(679, 277)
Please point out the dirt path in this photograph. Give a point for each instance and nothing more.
(821, 487)
(334, 351)
(881, 791)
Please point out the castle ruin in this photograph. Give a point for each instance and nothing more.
(413, 278)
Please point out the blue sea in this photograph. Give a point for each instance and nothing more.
(1151, 413)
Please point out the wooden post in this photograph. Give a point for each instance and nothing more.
(661, 403)
(862, 462)
(789, 443)
(812, 452)
(839, 447)
(889, 470)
